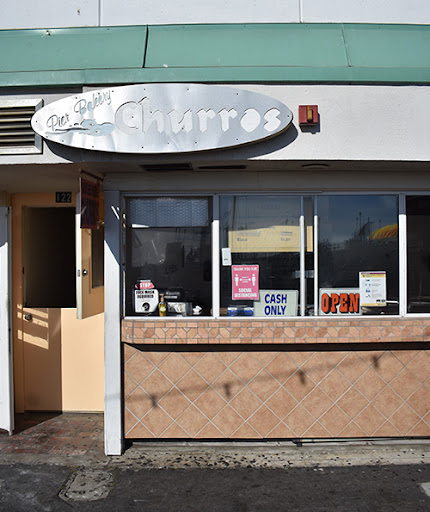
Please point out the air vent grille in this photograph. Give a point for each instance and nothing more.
(16, 133)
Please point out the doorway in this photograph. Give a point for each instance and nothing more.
(58, 359)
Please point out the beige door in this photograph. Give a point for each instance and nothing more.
(43, 249)
(89, 269)
(58, 360)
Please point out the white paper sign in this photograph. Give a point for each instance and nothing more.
(276, 303)
(373, 288)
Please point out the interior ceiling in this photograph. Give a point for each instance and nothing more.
(65, 177)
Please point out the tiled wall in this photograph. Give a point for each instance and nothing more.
(178, 392)
(241, 378)
(308, 330)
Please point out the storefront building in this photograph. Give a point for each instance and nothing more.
(266, 199)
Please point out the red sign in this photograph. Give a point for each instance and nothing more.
(245, 282)
(340, 303)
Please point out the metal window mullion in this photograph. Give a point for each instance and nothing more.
(315, 242)
(215, 257)
(403, 263)
(302, 259)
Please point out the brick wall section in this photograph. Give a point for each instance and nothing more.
(309, 330)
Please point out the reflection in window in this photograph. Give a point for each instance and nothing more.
(168, 242)
(418, 215)
(356, 234)
(263, 231)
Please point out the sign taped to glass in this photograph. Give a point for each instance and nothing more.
(245, 285)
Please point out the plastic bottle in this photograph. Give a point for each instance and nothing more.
(162, 306)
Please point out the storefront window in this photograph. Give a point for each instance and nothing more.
(269, 267)
(358, 254)
(260, 248)
(418, 242)
(168, 257)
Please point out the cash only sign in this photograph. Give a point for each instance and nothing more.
(162, 118)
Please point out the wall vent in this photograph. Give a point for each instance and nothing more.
(16, 133)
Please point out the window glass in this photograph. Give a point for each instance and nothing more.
(260, 258)
(418, 215)
(97, 257)
(168, 241)
(358, 234)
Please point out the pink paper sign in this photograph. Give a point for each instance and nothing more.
(245, 282)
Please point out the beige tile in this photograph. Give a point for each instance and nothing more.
(209, 367)
(298, 421)
(192, 385)
(174, 431)
(228, 385)
(263, 421)
(316, 430)
(174, 403)
(139, 432)
(405, 419)
(210, 432)
(334, 384)
(192, 421)
(138, 366)
(388, 366)
(353, 367)
(387, 430)
(281, 367)
(246, 432)
(370, 384)
(334, 420)
(264, 385)
(130, 420)
(352, 430)
(317, 402)
(420, 366)
(421, 429)
(299, 385)
(227, 421)
(245, 367)
(174, 367)
(245, 403)
(370, 420)
(156, 421)
(420, 401)
(405, 384)
(281, 431)
(387, 402)
(210, 403)
(281, 403)
(139, 402)
(156, 385)
(129, 385)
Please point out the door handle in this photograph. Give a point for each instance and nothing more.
(28, 316)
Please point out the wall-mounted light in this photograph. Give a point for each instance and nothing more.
(308, 115)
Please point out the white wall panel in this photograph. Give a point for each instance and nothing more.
(160, 12)
(49, 14)
(357, 122)
(81, 13)
(365, 11)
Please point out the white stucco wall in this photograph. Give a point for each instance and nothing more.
(80, 13)
(357, 123)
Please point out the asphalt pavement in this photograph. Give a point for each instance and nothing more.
(59, 465)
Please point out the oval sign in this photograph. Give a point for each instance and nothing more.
(162, 118)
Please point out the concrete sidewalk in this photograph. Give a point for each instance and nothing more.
(77, 440)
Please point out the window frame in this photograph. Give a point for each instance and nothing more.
(214, 222)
